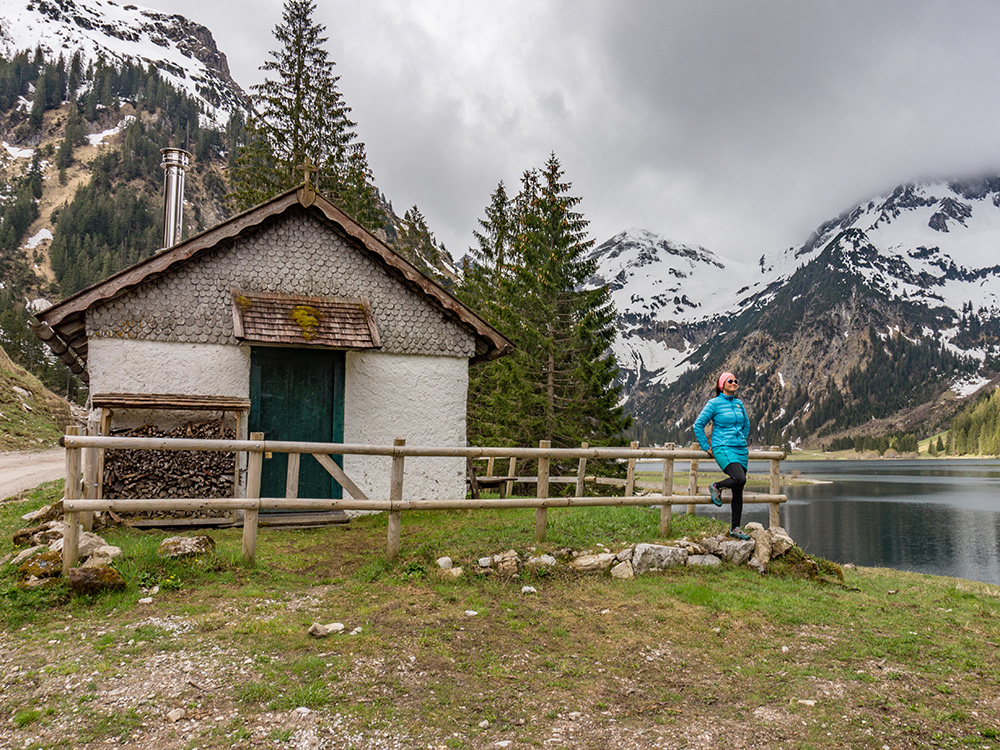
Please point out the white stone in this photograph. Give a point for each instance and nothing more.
(145, 600)
(356, 631)
(623, 570)
(736, 551)
(30, 552)
(88, 544)
(445, 563)
(704, 561)
(484, 724)
(337, 627)
(36, 514)
(656, 557)
(781, 542)
(485, 562)
(529, 590)
(319, 631)
(109, 550)
(471, 613)
(176, 715)
(592, 563)
(541, 561)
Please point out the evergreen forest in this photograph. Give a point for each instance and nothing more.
(976, 429)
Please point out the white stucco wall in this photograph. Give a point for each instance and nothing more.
(419, 398)
(136, 366)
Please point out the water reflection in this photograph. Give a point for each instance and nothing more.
(933, 516)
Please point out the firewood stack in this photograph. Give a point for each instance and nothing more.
(161, 474)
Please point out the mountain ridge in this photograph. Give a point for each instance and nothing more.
(915, 262)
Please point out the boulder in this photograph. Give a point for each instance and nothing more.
(762, 543)
(88, 544)
(736, 551)
(780, 541)
(46, 513)
(541, 561)
(507, 563)
(26, 553)
(648, 557)
(45, 565)
(39, 534)
(186, 546)
(623, 570)
(712, 545)
(704, 561)
(593, 563)
(93, 581)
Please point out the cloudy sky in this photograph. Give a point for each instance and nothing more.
(736, 125)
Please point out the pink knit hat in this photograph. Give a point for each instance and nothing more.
(724, 377)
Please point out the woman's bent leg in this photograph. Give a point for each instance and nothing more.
(736, 481)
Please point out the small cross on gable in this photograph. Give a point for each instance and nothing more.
(307, 170)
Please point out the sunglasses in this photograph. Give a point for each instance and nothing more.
(732, 381)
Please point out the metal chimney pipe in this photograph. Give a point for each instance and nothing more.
(175, 161)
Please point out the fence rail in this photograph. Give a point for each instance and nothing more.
(82, 485)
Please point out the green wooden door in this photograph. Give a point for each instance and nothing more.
(297, 394)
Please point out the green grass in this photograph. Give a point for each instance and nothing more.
(683, 648)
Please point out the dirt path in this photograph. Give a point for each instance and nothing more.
(25, 470)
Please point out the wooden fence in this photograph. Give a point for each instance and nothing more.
(82, 460)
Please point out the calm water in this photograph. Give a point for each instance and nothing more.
(934, 516)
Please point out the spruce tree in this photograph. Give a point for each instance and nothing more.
(528, 278)
(299, 113)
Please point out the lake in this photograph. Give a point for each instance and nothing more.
(937, 516)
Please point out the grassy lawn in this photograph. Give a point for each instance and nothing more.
(692, 657)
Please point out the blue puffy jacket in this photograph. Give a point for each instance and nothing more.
(730, 423)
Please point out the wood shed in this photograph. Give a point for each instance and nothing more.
(294, 321)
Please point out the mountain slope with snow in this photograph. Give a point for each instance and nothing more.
(184, 52)
(920, 262)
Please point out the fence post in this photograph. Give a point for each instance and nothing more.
(292, 475)
(581, 470)
(71, 521)
(90, 466)
(774, 514)
(395, 496)
(630, 481)
(255, 462)
(693, 477)
(543, 492)
(666, 490)
(510, 472)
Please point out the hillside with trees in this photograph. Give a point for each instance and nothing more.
(976, 429)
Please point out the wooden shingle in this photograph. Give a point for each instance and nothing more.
(304, 321)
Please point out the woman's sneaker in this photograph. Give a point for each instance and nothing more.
(716, 494)
(738, 533)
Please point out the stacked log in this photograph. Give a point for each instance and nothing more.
(163, 474)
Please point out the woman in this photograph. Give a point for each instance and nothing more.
(730, 429)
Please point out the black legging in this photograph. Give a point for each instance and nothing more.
(736, 481)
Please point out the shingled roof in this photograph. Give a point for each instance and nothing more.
(63, 325)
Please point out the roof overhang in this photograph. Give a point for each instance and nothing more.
(63, 325)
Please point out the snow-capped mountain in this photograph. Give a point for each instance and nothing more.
(664, 292)
(184, 52)
(921, 261)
